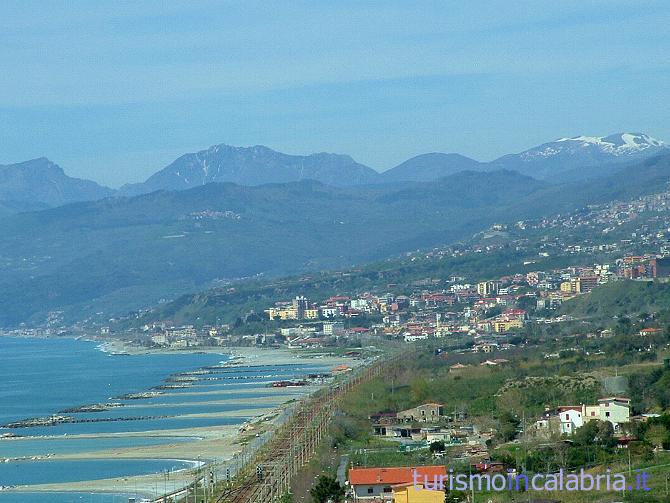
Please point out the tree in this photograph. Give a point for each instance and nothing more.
(595, 432)
(437, 446)
(605, 434)
(327, 489)
(512, 401)
(454, 496)
(509, 426)
(420, 389)
(657, 435)
(586, 435)
(561, 454)
(623, 325)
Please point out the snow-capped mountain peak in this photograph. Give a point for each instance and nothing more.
(615, 144)
(595, 154)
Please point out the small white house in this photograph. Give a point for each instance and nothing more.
(615, 410)
(571, 418)
(415, 337)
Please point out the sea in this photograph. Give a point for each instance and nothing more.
(40, 377)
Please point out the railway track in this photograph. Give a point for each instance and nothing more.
(268, 476)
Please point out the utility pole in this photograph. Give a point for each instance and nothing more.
(523, 433)
(195, 485)
(472, 486)
(293, 443)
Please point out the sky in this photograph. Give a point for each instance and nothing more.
(114, 91)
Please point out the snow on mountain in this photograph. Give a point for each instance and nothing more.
(255, 165)
(618, 144)
(549, 160)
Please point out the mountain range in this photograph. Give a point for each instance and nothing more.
(582, 156)
(40, 183)
(118, 254)
(256, 165)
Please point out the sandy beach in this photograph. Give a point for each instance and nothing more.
(211, 443)
(239, 355)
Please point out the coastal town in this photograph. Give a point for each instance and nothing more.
(335, 252)
(488, 313)
(490, 319)
(473, 327)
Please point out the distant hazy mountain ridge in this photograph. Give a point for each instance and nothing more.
(552, 159)
(429, 167)
(254, 166)
(39, 183)
(123, 253)
(619, 144)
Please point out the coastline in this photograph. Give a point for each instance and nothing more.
(216, 444)
(239, 355)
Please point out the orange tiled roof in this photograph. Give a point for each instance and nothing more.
(393, 476)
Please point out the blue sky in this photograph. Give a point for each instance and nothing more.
(114, 91)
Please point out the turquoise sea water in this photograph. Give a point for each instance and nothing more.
(40, 377)
(169, 423)
(48, 472)
(73, 497)
(39, 446)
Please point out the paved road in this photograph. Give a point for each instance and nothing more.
(342, 469)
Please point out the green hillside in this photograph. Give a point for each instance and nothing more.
(119, 254)
(626, 298)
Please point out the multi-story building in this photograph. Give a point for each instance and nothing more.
(587, 283)
(660, 267)
(571, 286)
(571, 418)
(329, 312)
(506, 324)
(283, 314)
(300, 304)
(486, 288)
(333, 327)
(616, 410)
(186, 332)
(298, 309)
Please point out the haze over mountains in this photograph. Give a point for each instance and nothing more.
(177, 232)
(581, 156)
(40, 183)
(254, 166)
(429, 167)
(258, 165)
(118, 254)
